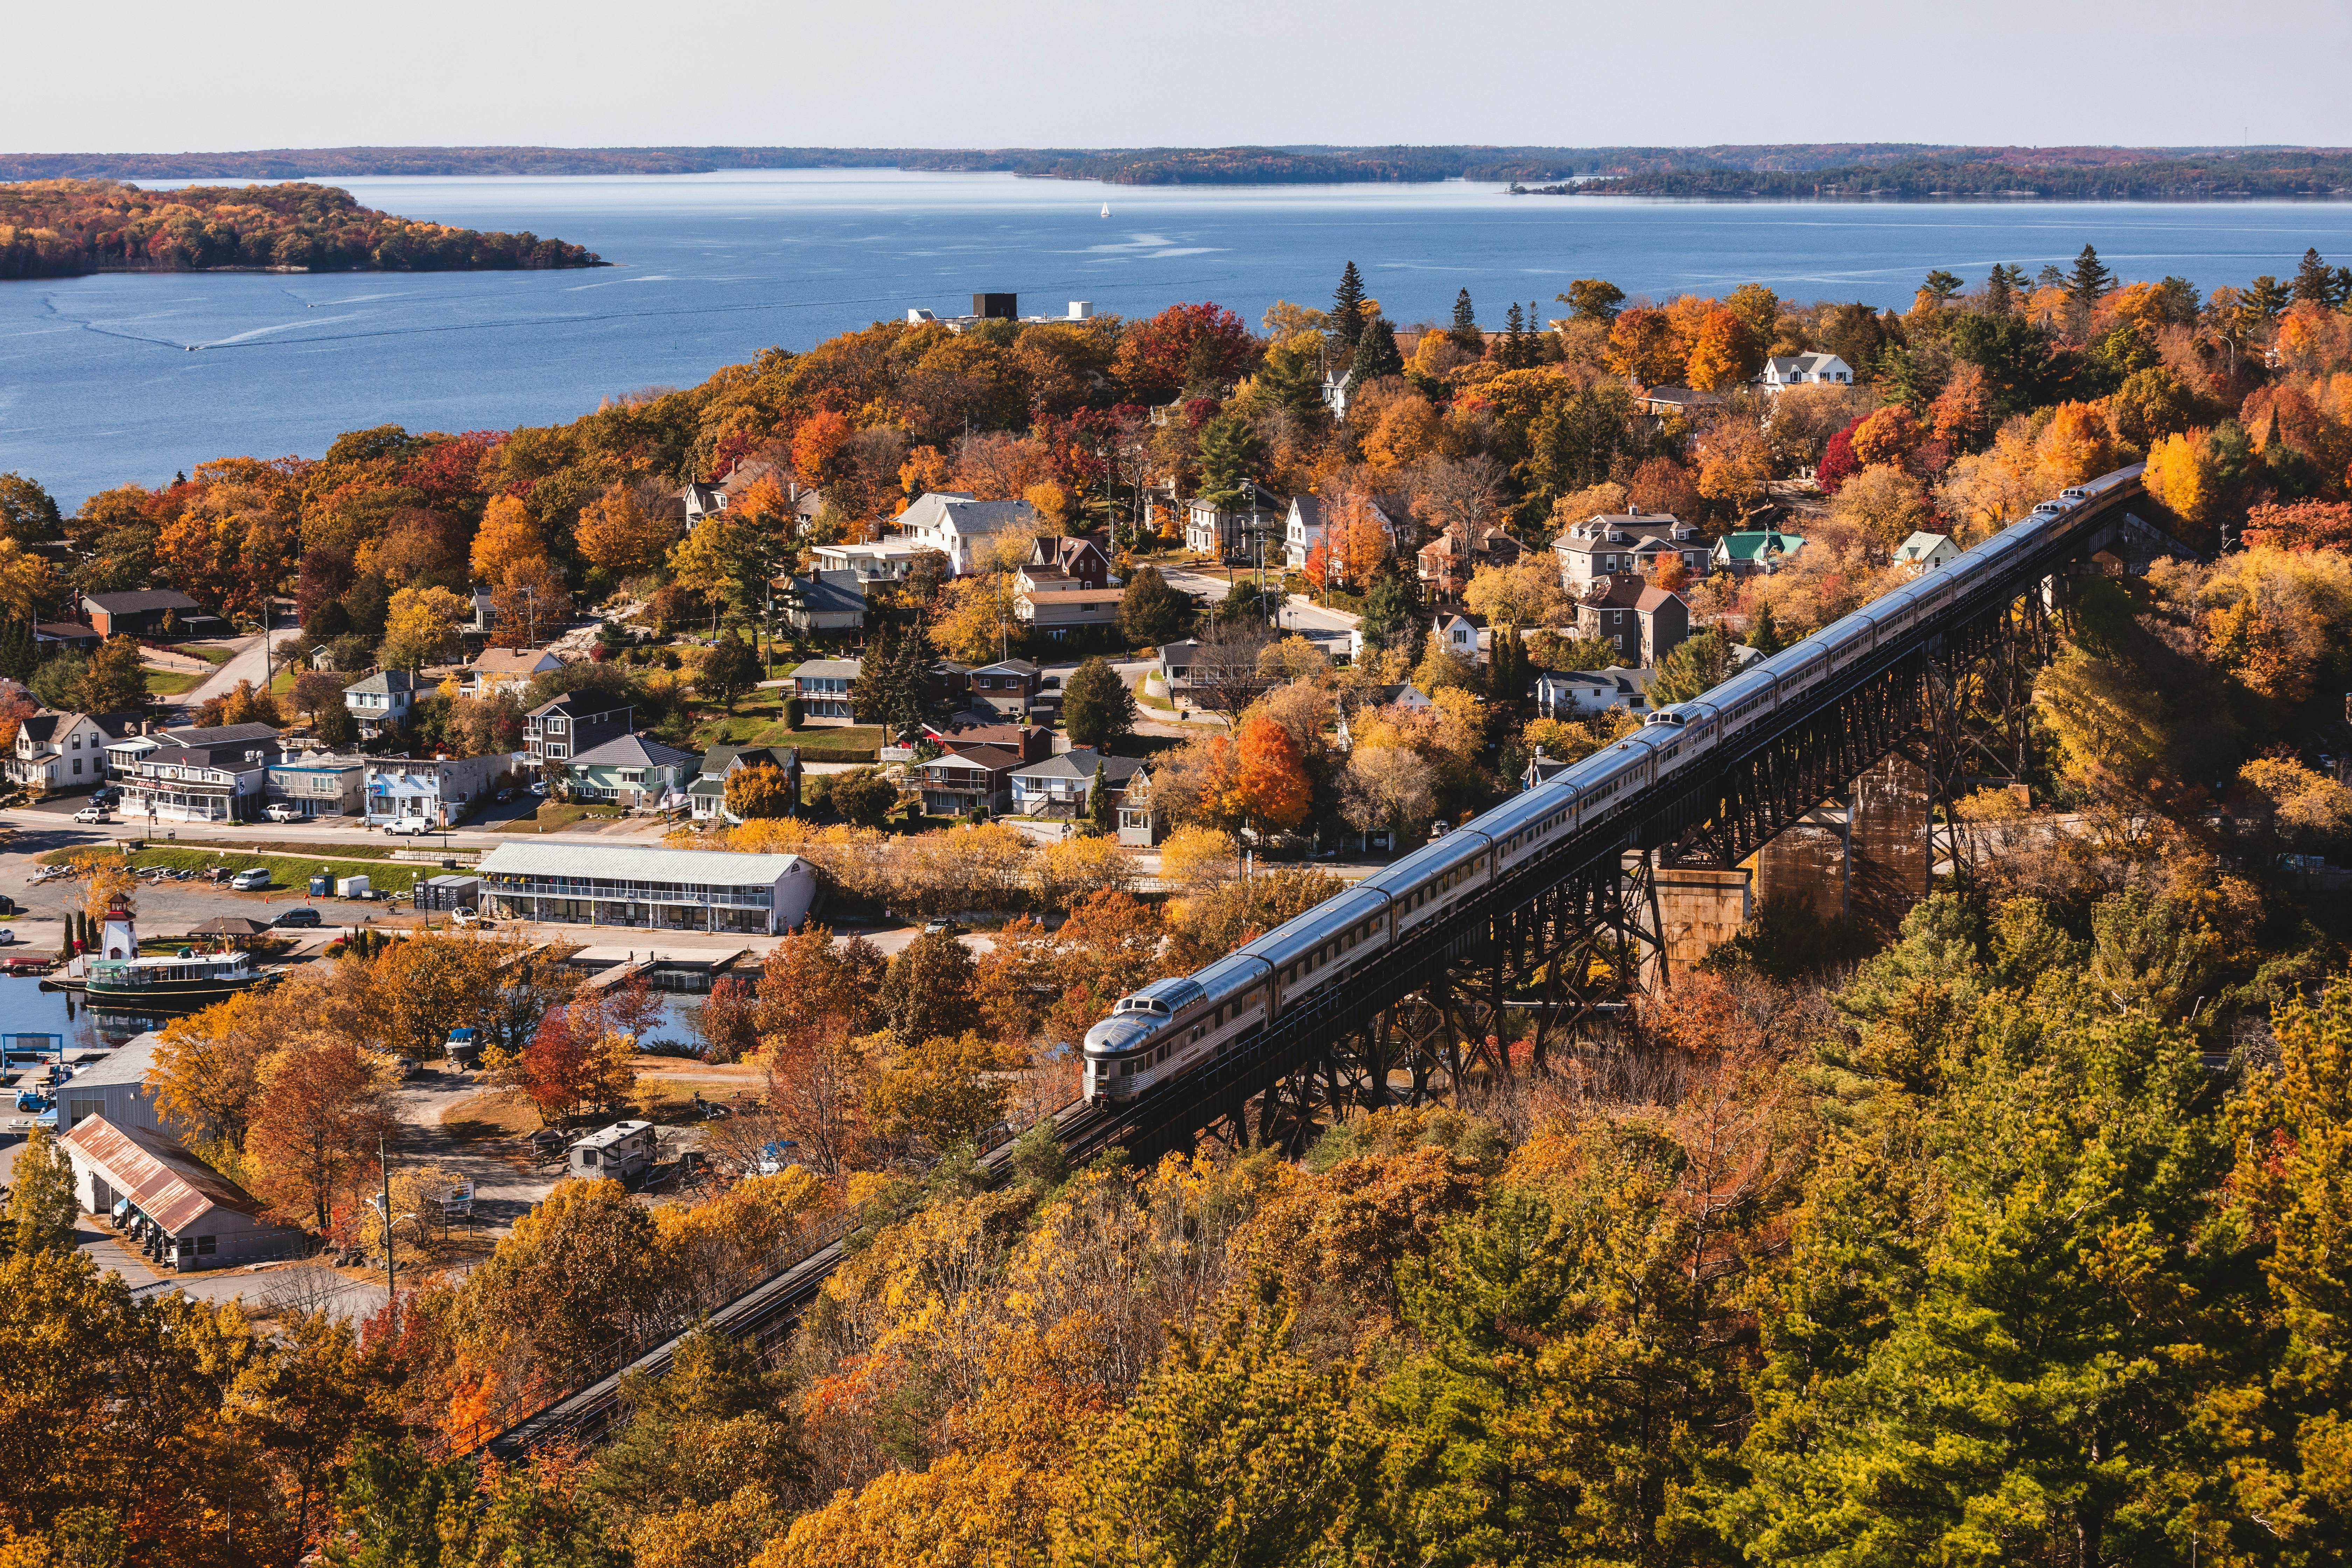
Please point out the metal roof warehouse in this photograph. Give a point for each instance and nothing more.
(648, 887)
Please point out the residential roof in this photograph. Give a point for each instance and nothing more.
(828, 669)
(127, 1064)
(229, 756)
(219, 734)
(935, 509)
(1921, 545)
(830, 592)
(384, 682)
(1754, 545)
(1080, 763)
(136, 600)
(1049, 593)
(573, 704)
(1621, 680)
(167, 1183)
(605, 1137)
(1655, 598)
(1784, 363)
(637, 862)
(995, 758)
(632, 750)
(1007, 667)
(718, 761)
(513, 661)
(1617, 593)
(951, 733)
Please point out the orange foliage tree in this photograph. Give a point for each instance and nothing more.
(1271, 784)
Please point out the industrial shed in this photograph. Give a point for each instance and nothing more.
(176, 1209)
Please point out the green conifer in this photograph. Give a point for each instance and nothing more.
(1347, 305)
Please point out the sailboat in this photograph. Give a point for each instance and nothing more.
(1106, 209)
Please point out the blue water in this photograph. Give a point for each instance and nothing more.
(97, 386)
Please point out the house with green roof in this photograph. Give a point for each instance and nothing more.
(1751, 550)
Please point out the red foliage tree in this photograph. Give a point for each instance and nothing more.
(1838, 462)
(1158, 357)
(2306, 525)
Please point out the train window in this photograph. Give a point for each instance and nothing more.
(1127, 1070)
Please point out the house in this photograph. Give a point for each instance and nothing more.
(1176, 666)
(1752, 551)
(197, 775)
(1308, 521)
(1618, 544)
(1541, 770)
(947, 682)
(1007, 686)
(1072, 561)
(1140, 825)
(825, 604)
(1064, 785)
(62, 751)
(442, 790)
(650, 887)
(1406, 696)
(1580, 693)
(877, 560)
(1457, 635)
(483, 612)
(958, 527)
(53, 637)
(117, 1089)
(635, 770)
(381, 700)
(178, 1210)
(1035, 742)
(137, 740)
(318, 783)
(699, 501)
(147, 613)
(1058, 608)
(1335, 394)
(1643, 623)
(575, 721)
(823, 685)
(619, 1154)
(1230, 531)
(1674, 401)
(1926, 552)
(1444, 563)
(707, 795)
(497, 670)
(1799, 370)
(965, 779)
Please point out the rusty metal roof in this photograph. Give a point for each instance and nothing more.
(167, 1183)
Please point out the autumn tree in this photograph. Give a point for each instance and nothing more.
(927, 989)
(421, 627)
(433, 983)
(816, 1004)
(316, 1126)
(943, 1090)
(1150, 612)
(617, 533)
(730, 669)
(115, 681)
(761, 791)
(41, 1210)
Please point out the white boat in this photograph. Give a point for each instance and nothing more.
(1106, 209)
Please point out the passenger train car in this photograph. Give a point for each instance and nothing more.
(1172, 1026)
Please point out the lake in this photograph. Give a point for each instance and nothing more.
(98, 387)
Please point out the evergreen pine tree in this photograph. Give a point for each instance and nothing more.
(1230, 455)
(2090, 278)
(1347, 305)
(2315, 282)
(1515, 339)
(1464, 331)
(1101, 812)
(910, 674)
(1376, 356)
(1764, 631)
(1999, 301)
(17, 653)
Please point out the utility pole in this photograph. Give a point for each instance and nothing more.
(384, 1166)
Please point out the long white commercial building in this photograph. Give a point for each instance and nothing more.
(648, 887)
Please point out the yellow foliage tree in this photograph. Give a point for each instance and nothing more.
(620, 536)
(507, 538)
(421, 627)
(2077, 444)
(2181, 475)
(1197, 856)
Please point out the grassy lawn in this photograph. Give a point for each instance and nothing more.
(553, 818)
(172, 682)
(288, 873)
(283, 681)
(208, 653)
(850, 743)
(294, 851)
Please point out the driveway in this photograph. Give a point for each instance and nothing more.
(248, 663)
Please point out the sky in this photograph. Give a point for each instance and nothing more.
(135, 76)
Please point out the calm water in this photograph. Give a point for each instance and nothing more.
(96, 385)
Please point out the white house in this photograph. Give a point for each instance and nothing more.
(1926, 552)
(380, 700)
(1457, 635)
(65, 751)
(823, 685)
(1306, 526)
(1621, 544)
(1580, 693)
(1799, 370)
(958, 527)
(648, 886)
(498, 670)
(879, 560)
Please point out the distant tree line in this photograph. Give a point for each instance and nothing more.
(62, 229)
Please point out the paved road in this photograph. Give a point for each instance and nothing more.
(248, 663)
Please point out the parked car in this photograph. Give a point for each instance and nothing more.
(284, 811)
(410, 826)
(471, 920)
(7, 936)
(941, 928)
(538, 786)
(506, 795)
(297, 918)
(250, 880)
(93, 814)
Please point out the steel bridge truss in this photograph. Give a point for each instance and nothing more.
(1555, 970)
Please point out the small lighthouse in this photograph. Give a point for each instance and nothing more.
(120, 937)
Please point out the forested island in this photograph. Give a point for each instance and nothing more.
(63, 229)
(1799, 170)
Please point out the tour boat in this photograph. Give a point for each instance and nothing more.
(116, 979)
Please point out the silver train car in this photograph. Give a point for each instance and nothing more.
(1171, 1027)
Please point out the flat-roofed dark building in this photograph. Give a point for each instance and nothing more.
(996, 307)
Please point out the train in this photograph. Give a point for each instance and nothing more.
(1172, 1026)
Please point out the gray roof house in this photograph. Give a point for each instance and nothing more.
(957, 526)
(823, 685)
(634, 770)
(380, 700)
(826, 604)
(707, 795)
(1061, 787)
